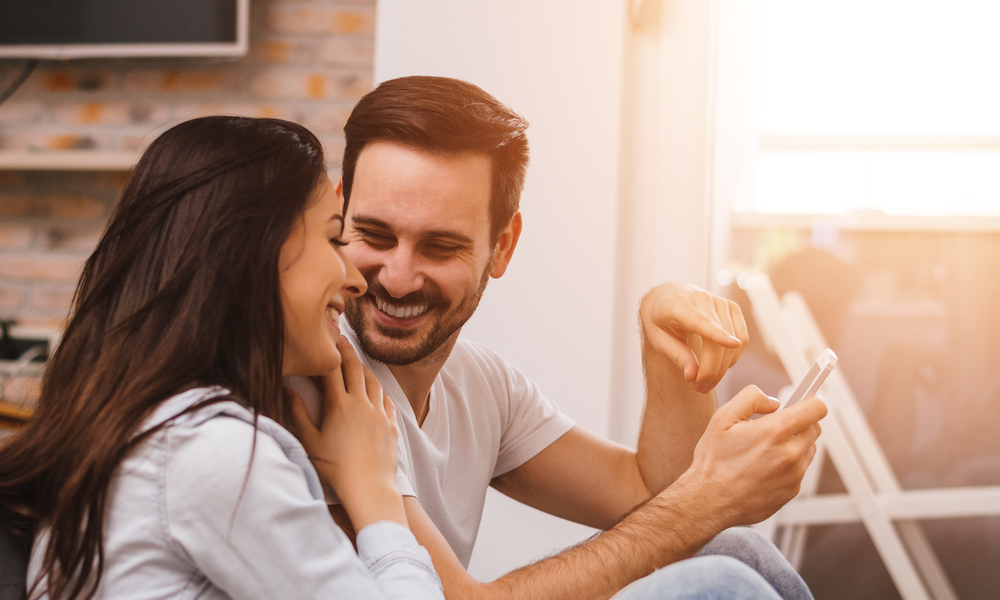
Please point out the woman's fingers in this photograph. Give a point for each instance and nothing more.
(373, 389)
(333, 382)
(390, 408)
(350, 364)
(390, 414)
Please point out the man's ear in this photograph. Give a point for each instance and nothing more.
(339, 189)
(505, 246)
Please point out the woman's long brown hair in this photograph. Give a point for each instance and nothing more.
(182, 291)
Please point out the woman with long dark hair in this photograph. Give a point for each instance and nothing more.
(158, 463)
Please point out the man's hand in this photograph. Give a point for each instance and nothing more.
(702, 334)
(746, 470)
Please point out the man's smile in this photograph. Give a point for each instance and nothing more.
(400, 312)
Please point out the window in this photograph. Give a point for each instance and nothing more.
(884, 105)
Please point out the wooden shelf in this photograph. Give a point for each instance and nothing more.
(18, 414)
(68, 160)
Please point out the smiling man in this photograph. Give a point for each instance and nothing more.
(433, 170)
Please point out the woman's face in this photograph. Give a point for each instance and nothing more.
(316, 280)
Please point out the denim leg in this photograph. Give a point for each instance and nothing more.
(701, 578)
(758, 553)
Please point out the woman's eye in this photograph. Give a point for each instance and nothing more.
(336, 241)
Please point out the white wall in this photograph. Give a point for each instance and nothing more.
(618, 196)
(558, 63)
(688, 155)
(666, 174)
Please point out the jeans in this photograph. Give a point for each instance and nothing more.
(738, 564)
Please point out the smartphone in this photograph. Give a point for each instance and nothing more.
(809, 385)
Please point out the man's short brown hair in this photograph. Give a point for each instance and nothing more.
(443, 115)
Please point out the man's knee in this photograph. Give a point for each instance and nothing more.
(757, 552)
(742, 543)
(701, 578)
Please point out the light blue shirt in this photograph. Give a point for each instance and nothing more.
(190, 515)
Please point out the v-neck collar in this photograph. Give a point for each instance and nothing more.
(395, 391)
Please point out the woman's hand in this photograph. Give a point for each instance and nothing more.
(354, 448)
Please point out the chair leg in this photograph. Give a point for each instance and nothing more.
(927, 561)
(768, 528)
(794, 541)
(797, 545)
(884, 535)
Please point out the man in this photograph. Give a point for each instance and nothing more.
(432, 174)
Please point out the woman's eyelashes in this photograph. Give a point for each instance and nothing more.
(336, 239)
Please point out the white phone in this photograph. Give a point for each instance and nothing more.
(809, 385)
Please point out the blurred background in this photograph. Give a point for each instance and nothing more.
(850, 149)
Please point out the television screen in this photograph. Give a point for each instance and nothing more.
(92, 28)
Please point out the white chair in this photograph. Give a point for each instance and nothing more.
(890, 514)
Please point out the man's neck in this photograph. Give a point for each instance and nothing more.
(416, 379)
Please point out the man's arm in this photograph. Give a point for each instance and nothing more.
(690, 339)
(580, 477)
(741, 472)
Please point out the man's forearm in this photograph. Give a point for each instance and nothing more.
(674, 420)
(690, 339)
(667, 528)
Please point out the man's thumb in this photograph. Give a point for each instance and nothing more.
(748, 402)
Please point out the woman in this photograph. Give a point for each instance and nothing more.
(155, 465)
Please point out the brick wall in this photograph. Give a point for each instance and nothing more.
(310, 60)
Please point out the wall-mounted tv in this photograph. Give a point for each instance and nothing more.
(65, 29)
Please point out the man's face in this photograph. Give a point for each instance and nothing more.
(418, 226)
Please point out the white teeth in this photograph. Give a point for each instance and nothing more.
(400, 312)
(333, 315)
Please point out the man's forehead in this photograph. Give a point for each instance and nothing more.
(381, 148)
(396, 185)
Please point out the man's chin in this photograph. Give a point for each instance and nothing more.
(396, 346)
(400, 346)
(393, 351)
(395, 333)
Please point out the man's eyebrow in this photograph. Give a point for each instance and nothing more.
(438, 233)
(370, 221)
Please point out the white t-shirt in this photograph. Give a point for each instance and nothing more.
(485, 419)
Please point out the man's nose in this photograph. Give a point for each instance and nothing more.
(401, 273)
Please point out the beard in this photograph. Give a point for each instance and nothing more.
(399, 346)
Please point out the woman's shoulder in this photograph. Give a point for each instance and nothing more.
(194, 406)
(211, 437)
